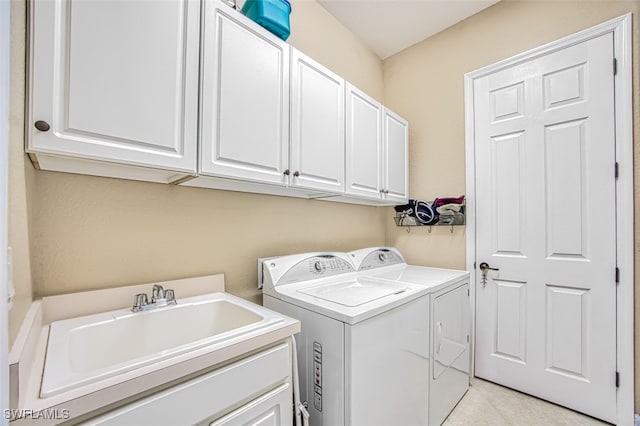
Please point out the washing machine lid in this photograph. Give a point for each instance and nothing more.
(328, 284)
(354, 293)
(423, 275)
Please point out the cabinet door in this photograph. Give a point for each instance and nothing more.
(258, 384)
(272, 409)
(115, 81)
(364, 145)
(244, 98)
(396, 158)
(317, 126)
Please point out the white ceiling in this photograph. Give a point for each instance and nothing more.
(389, 26)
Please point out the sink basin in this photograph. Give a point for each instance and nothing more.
(86, 349)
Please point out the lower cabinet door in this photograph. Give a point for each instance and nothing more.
(271, 409)
(212, 396)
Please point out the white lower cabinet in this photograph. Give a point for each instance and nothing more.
(257, 390)
(268, 410)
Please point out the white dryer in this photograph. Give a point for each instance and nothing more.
(363, 352)
(449, 318)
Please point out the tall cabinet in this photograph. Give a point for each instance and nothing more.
(105, 87)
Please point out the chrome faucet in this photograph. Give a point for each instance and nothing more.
(159, 297)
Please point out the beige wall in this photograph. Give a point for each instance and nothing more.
(21, 177)
(425, 84)
(88, 232)
(318, 34)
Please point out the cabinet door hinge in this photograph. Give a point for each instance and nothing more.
(617, 170)
(617, 275)
(617, 379)
(615, 66)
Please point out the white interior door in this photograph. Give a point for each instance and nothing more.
(546, 218)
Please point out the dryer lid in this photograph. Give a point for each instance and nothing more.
(354, 293)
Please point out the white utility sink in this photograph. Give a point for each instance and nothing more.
(86, 349)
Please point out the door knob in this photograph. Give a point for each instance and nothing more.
(286, 172)
(484, 266)
(43, 126)
(296, 174)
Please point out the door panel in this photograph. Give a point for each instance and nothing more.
(511, 320)
(565, 183)
(545, 189)
(507, 185)
(567, 331)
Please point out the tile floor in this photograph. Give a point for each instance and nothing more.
(489, 404)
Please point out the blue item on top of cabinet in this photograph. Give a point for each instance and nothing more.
(271, 14)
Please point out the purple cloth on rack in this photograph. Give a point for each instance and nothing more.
(448, 200)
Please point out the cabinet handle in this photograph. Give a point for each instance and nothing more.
(386, 191)
(296, 173)
(43, 126)
(286, 172)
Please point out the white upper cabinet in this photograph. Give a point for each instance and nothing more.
(377, 151)
(363, 145)
(317, 126)
(244, 99)
(115, 82)
(396, 158)
(192, 92)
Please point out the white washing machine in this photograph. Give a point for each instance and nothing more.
(363, 352)
(450, 321)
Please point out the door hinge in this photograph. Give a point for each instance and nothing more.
(615, 66)
(617, 275)
(617, 379)
(617, 170)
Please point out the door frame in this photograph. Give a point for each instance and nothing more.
(622, 36)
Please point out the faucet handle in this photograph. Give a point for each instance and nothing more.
(170, 295)
(139, 302)
(157, 292)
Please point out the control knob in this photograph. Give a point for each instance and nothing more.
(317, 266)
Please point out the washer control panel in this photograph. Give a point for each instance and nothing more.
(317, 376)
(379, 258)
(313, 267)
